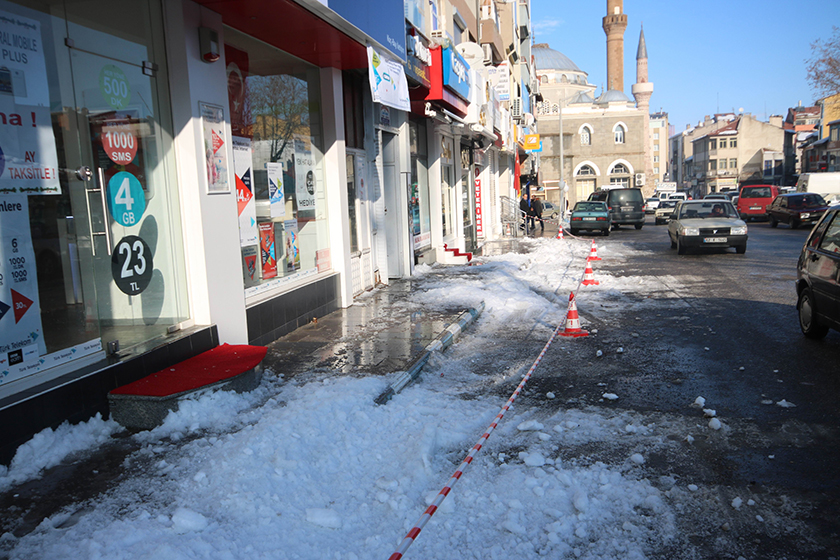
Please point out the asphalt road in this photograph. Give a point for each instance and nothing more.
(723, 326)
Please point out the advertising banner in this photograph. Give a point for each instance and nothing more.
(388, 83)
(215, 149)
(21, 333)
(292, 253)
(250, 266)
(276, 194)
(500, 79)
(305, 183)
(28, 157)
(239, 101)
(268, 257)
(245, 202)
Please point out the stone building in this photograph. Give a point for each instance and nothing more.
(605, 138)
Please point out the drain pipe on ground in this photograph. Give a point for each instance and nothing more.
(440, 343)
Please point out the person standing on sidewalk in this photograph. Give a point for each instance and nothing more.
(525, 210)
(537, 210)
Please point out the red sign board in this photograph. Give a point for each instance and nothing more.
(119, 142)
(479, 225)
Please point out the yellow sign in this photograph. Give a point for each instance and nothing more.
(532, 142)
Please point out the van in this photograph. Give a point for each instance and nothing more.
(825, 184)
(627, 206)
(754, 199)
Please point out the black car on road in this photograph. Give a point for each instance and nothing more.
(818, 278)
(796, 209)
(627, 206)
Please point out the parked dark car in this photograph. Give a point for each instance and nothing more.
(627, 206)
(818, 278)
(796, 209)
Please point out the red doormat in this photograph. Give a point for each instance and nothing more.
(212, 366)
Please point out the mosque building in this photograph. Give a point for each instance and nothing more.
(605, 138)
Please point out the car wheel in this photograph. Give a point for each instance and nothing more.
(794, 223)
(680, 247)
(741, 249)
(638, 226)
(607, 232)
(808, 319)
(773, 221)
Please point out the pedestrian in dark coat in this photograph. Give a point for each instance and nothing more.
(537, 209)
(525, 209)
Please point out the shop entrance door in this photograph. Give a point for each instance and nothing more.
(103, 222)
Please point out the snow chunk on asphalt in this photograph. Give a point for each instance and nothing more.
(610, 396)
(529, 426)
(785, 404)
(637, 458)
(736, 503)
(532, 459)
(186, 521)
(699, 402)
(323, 517)
(714, 424)
(709, 413)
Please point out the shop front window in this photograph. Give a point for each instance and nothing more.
(447, 187)
(419, 189)
(278, 162)
(91, 248)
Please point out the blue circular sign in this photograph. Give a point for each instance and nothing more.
(126, 199)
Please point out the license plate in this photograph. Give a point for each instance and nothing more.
(755, 207)
(589, 219)
(714, 240)
(627, 208)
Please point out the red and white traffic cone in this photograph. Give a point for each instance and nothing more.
(589, 276)
(593, 253)
(573, 321)
(559, 232)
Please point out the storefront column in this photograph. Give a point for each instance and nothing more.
(209, 221)
(335, 179)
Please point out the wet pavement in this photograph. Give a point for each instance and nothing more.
(382, 332)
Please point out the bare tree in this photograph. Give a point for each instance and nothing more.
(824, 65)
(280, 108)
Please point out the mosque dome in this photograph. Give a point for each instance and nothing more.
(582, 97)
(613, 95)
(546, 58)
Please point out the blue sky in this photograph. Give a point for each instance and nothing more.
(703, 57)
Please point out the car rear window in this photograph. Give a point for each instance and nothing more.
(756, 192)
(624, 196)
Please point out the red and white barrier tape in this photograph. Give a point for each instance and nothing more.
(430, 511)
(412, 534)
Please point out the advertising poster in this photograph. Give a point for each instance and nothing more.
(215, 149)
(304, 177)
(388, 83)
(240, 106)
(268, 255)
(246, 205)
(250, 258)
(21, 335)
(276, 194)
(292, 253)
(28, 157)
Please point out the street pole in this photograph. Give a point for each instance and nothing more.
(563, 193)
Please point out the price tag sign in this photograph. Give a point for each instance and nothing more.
(114, 86)
(119, 142)
(131, 265)
(126, 199)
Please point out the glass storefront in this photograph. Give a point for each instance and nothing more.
(91, 248)
(274, 101)
(447, 187)
(418, 196)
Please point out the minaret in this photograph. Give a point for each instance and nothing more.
(614, 23)
(642, 90)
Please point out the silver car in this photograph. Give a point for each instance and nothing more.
(707, 224)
